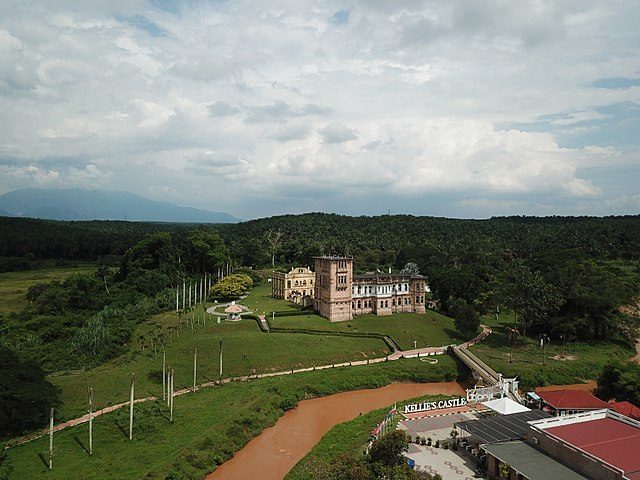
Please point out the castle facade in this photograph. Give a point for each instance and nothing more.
(296, 286)
(339, 294)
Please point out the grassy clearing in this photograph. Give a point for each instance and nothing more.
(14, 285)
(246, 351)
(209, 426)
(429, 329)
(260, 301)
(586, 363)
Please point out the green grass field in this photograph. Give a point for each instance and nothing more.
(260, 301)
(583, 362)
(209, 425)
(247, 351)
(14, 285)
(430, 329)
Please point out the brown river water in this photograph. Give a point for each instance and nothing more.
(274, 452)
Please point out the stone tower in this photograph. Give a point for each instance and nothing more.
(333, 292)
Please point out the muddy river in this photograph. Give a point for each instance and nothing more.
(277, 449)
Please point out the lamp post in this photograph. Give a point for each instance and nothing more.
(544, 338)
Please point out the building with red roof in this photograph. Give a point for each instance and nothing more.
(626, 408)
(602, 444)
(566, 402)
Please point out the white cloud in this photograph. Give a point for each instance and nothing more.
(398, 101)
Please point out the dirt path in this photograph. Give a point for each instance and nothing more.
(274, 452)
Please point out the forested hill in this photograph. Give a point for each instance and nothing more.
(375, 240)
(310, 234)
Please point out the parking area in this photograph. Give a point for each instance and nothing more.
(450, 464)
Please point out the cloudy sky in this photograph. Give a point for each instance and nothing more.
(463, 108)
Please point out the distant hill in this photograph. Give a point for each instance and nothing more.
(79, 204)
(4, 213)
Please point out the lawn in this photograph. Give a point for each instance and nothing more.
(209, 425)
(260, 301)
(247, 350)
(430, 329)
(583, 360)
(14, 285)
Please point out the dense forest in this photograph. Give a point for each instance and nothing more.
(562, 276)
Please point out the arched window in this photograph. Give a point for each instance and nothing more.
(359, 304)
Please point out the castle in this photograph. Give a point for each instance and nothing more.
(339, 294)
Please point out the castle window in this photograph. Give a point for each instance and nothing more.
(393, 303)
(417, 299)
(288, 283)
(359, 303)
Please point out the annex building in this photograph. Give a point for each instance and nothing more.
(296, 286)
(339, 294)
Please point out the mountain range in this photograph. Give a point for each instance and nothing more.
(80, 204)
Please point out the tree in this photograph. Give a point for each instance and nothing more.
(410, 268)
(26, 395)
(621, 382)
(208, 250)
(232, 286)
(512, 334)
(5, 464)
(528, 294)
(388, 449)
(274, 239)
(466, 320)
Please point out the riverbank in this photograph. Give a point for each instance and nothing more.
(272, 454)
(209, 426)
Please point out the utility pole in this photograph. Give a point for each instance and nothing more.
(51, 439)
(133, 386)
(171, 396)
(90, 421)
(195, 363)
(164, 373)
(220, 360)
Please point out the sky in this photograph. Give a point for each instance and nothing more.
(462, 108)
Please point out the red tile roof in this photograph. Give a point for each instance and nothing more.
(626, 408)
(571, 400)
(610, 440)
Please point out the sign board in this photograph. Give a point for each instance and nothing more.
(427, 406)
